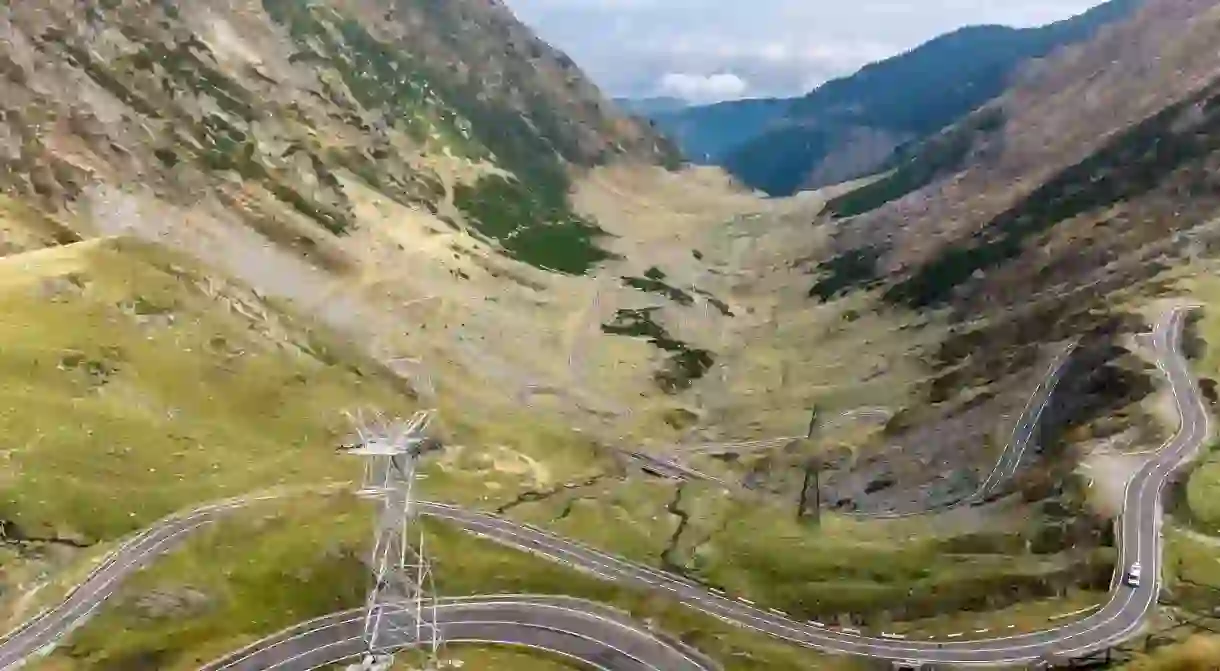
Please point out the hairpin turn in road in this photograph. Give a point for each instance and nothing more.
(612, 644)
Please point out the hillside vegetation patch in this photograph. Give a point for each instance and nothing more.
(684, 363)
(530, 229)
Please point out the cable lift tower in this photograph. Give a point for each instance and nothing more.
(400, 610)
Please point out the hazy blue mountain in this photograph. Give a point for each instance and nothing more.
(648, 107)
(706, 133)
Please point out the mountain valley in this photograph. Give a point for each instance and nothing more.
(225, 223)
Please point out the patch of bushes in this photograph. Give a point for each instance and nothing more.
(1194, 346)
(332, 220)
(679, 419)
(529, 228)
(102, 75)
(1094, 384)
(654, 282)
(856, 268)
(185, 66)
(684, 365)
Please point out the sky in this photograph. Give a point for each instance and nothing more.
(710, 50)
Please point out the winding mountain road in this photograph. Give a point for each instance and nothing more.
(610, 644)
(599, 637)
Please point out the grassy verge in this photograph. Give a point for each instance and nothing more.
(264, 569)
(122, 370)
(1203, 487)
(23, 229)
(1026, 617)
(863, 358)
(627, 516)
(1192, 569)
(1198, 652)
(1203, 495)
(843, 569)
(848, 572)
(137, 384)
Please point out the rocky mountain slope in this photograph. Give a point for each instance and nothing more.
(378, 163)
(416, 204)
(859, 124)
(1040, 217)
(408, 204)
(285, 93)
(384, 168)
(1115, 135)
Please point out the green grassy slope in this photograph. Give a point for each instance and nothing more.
(134, 386)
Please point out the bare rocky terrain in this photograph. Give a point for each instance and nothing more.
(559, 262)
(488, 238)
(1048, 213)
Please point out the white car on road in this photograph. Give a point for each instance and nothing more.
(1133, 575)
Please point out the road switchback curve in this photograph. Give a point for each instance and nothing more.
(612, 644)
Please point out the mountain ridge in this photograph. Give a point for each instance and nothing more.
(1090, 180)
(228, 221)
(379, 162)
(707, 132)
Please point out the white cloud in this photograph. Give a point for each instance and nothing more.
(772, 47)
(702, 88)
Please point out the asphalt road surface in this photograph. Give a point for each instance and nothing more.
(569, 632)
(137, 552)
(598, 637)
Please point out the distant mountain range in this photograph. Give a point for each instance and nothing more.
(709, 133)
(648, 107)
(861, 124)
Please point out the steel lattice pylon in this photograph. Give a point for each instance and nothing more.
(401, 604)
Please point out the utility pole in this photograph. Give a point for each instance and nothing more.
(813, 469)
(400, 609)
(813, 422)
